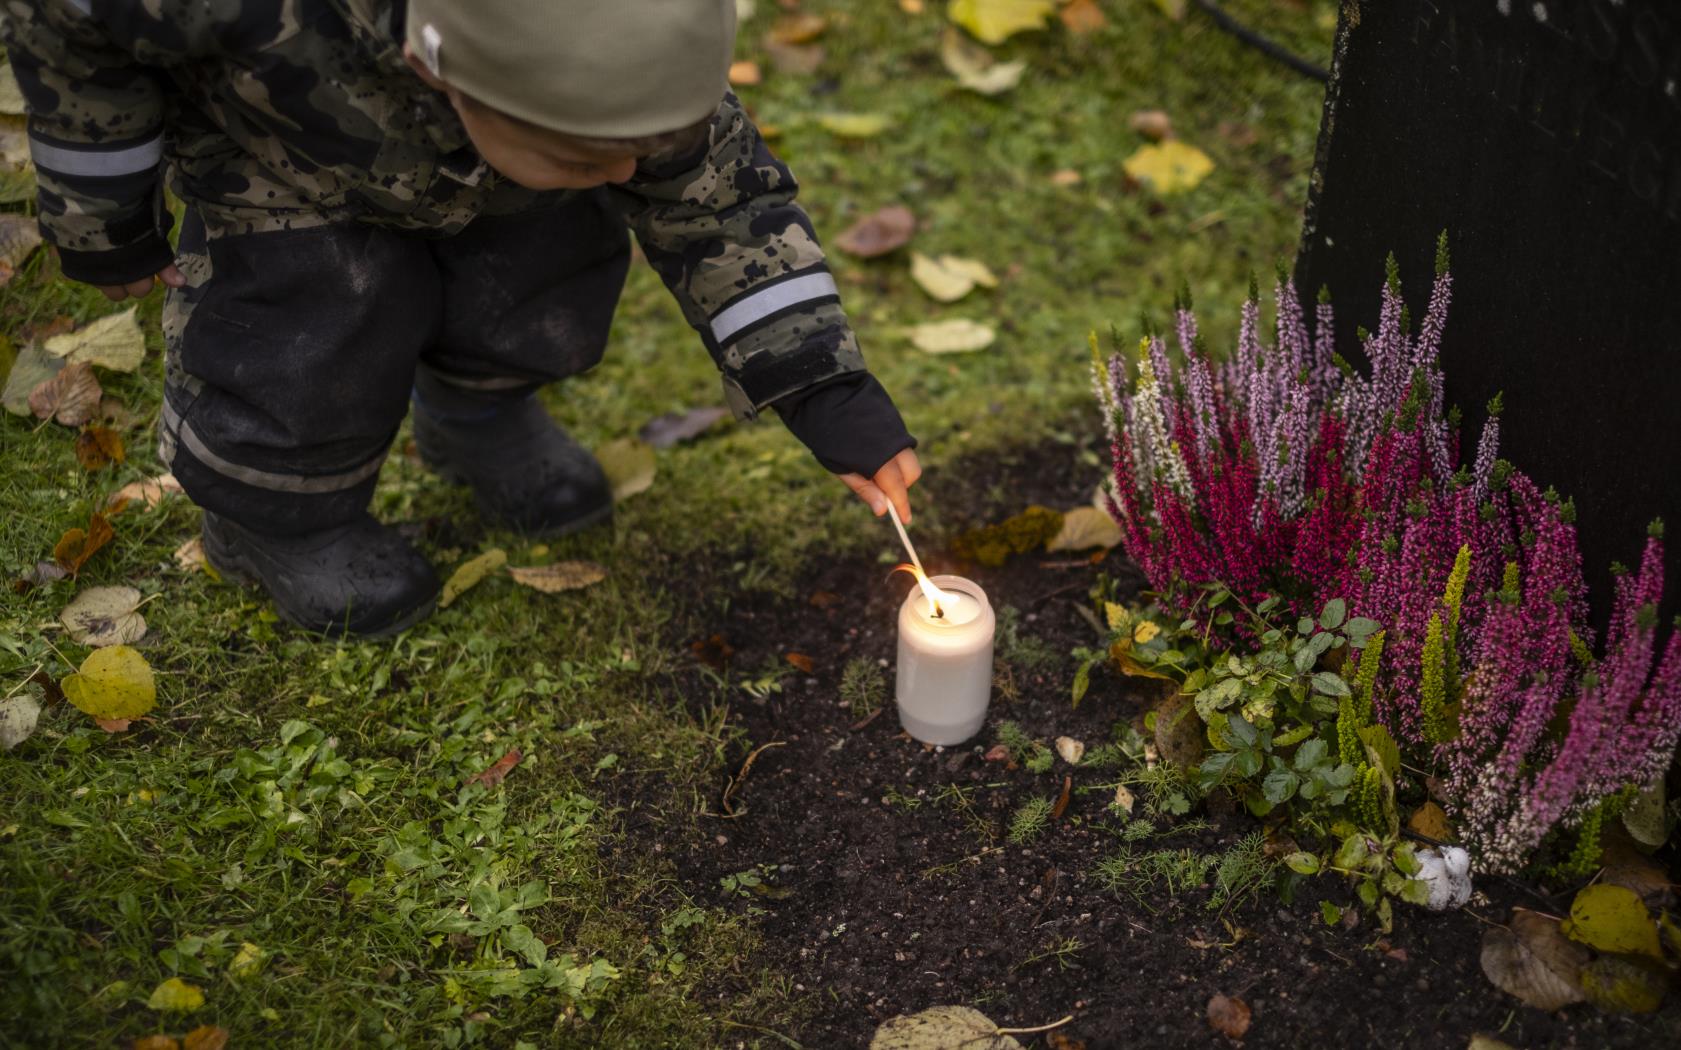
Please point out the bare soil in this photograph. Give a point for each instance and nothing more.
(885, 894)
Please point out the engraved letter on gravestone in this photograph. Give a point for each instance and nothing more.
(1545, 137)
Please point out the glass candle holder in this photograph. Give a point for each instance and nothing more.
(945, 663)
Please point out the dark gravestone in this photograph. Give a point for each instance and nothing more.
(1545, 137)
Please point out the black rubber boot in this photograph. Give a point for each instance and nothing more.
(526, 473)
(360, 578)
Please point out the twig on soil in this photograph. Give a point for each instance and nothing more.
(1043, 598)
(1030, 1031)
(867, 719)
(785, 1040)
(725, 803)
(952, 866)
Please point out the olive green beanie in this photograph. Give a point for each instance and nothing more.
(597, 68)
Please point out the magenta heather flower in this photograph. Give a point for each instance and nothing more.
(1285, 471)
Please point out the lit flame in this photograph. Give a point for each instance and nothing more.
(938, 599)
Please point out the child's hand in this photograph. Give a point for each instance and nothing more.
(890, 483)
(118, 292)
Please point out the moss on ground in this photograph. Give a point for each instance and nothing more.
(308, 797)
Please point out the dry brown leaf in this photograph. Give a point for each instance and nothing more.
(1431, 821)
(799, 27)
(1082, 16)
(71, 397)
(800, 661)
(19, 236)
(190, 555)
(1066, 177)
(745, 73)
(149, 493)
(1070, 749)
(561, 576)
(1229, 1016)
(882, 231)
(114, 725)
(497, 771)
(1061, 806)
(715, 651)
(101, 616)
(824, 599)
(1153, 124)
(1533, 960)
(911, 7)
(115, 414)
(76, 546)
(797, 60)
(205, 1037)
(1124, 798)
(98, 447)
(156, 1042)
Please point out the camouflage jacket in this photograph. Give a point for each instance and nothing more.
(273, 114)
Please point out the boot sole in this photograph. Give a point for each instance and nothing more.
(233, 566)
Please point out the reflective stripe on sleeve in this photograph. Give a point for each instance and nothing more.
(758, 305)
(97, 161)
(84, 6)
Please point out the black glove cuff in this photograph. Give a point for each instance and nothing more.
(850, 423)
(131, 262)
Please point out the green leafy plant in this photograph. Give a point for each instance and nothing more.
(1032, 755)
(1030, 820)
(862, 686)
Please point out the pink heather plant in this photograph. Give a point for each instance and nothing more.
(1285, 471)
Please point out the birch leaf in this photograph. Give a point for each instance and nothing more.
(878, 233)
(975, 68)
(19, 235)
(71, 397)
(115, 682)
(102, 616)
(1168, 167)
(11, 96)
(630, 466)
(949, 278)
(1532, 960)
(854, 125)
(561, 576)
(149, 492)
(176, 996)
(1084, 528)
(995, 21)
(32, 368)
(115, 341)
(942, 1028)
(952, 337)
(470, 573)
(18, 715)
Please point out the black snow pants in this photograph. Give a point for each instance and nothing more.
(293, 354)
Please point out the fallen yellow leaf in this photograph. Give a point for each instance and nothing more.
(854, 125)
(114, 341)
(176, 996)
(995, 21)
(1084, 528)
(247, 962)
(113, 683)
(470, 573)
(630, 465)
(974, 67)
(1168, 167)
(949, 278)
(952, 337)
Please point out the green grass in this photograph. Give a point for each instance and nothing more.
(307, 797)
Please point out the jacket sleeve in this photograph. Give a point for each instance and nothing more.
(721, 228)
(96, 137)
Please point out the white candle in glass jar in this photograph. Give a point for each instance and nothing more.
(945, 662)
